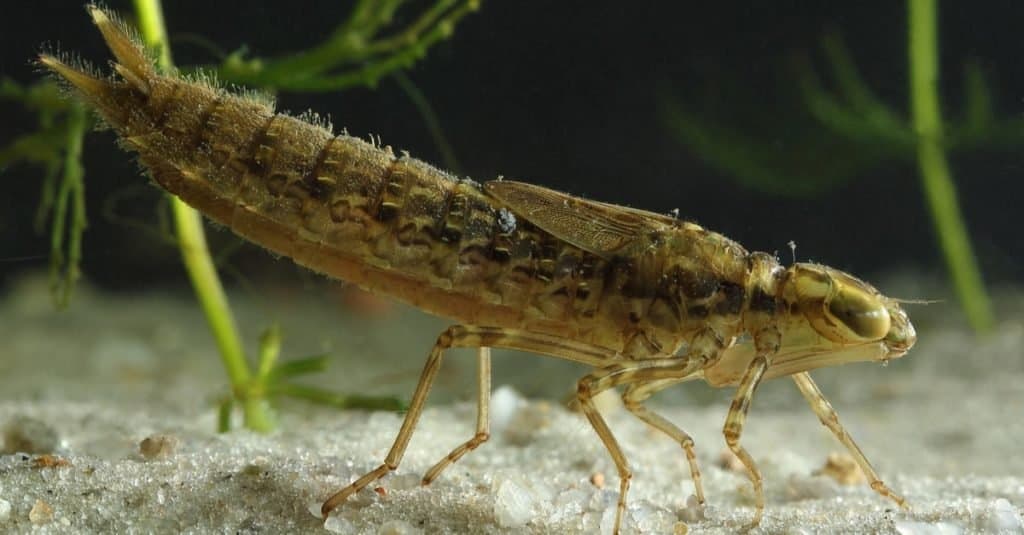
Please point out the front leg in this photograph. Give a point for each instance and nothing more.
(830, 419)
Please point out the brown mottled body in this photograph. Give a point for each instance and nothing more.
(398, 226)
(646, 300)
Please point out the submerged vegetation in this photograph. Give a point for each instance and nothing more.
(56, 146)
(832, 137)
(360, 51)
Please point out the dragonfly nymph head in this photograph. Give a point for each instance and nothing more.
(846, 310)
(834, 318)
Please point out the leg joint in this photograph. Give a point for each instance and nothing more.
(445, 339)
(584, 388)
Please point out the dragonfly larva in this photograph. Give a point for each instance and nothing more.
(646, 300)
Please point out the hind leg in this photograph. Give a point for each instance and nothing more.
(483, 419)
(466, 336)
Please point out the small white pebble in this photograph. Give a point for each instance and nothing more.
(505, 402)
(644, 517)
(608, 521)
(5, 510)
(601, 500)
(568, 505)
(1002, 517)
(513, 505)
(693, 512)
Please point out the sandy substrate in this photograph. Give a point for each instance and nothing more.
(943, 426)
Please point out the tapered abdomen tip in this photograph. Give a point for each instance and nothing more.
(87, 84)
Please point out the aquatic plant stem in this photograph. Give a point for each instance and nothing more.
(935, 173)
(199, 264)
(353, 55)
(71, 194)
(154, 31)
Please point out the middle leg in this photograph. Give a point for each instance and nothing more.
(662, 372)
(733, 430)
(633, 399)
(704, 349)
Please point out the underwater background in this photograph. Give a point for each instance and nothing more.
(769, 122)
(600, 99)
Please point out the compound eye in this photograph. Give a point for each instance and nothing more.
(861, 313)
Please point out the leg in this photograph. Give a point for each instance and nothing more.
(641, 372)
(466, 336)
(830, 419)
(483, 419)
(633, 399)
(705, 348)
(446, 340)
(733, 429)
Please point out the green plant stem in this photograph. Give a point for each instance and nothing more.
(71, 194)
(935, 173)
(352, 50)
(198, 262)
(349, 40)
(154, 31)
(188, 226)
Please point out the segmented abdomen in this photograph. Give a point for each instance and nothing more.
(357, 211)
(397, 226)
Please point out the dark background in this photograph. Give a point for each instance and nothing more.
(565, 94)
